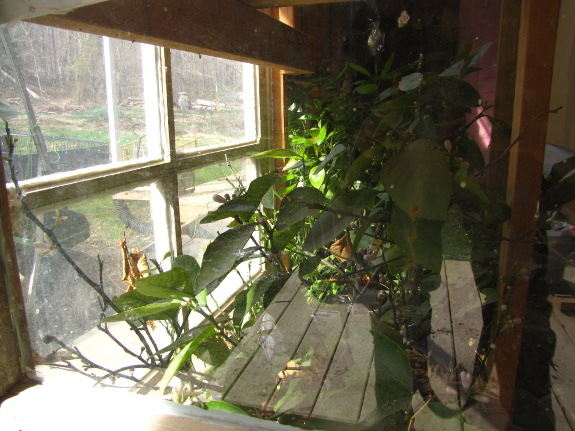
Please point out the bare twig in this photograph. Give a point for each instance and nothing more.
(50, 234)
(517, 139)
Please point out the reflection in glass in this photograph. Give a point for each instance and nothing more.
(58, 301)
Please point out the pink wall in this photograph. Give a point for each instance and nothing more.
(478, 24)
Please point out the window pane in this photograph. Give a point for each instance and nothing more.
(196, 190)
(213, 101)
(86, 108)
(58, 301)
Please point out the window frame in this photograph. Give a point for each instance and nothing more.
(54, 190)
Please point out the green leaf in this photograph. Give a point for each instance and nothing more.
(360, 69)
(294, 206)
(331, 222)
(185, 338)
(479, 54)
(454, 69)
(419, 238)
(277, 153)
(419, 180)
(175, 283)
(190, 264)
(393, 374)
(366, 89)
(214, 351)
(309, 265)
(183, 355)
(144, 312)
(223, 406)
(236, 207)
(339, 148)
(221, 255)
(489, 296)
(258, 188)
(316, 178)
(410, 82)
(132, 299)
(321, 135)
(386, 93)
(467, 183)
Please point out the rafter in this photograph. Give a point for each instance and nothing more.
(223, 28)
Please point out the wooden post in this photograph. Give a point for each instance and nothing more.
(15, 350)
(532, 92)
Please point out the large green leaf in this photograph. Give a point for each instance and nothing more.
(419, 238)
(145, 312)
(393, 374)
(258, 188)
(190, 264)
(419, 181)
(236, 207)
(221, 255)
(295, 206)
(223, 406)
(214, 351)
(183, 355)
(247, 298)
(331, 222)
(339, 148)
(410, 82)
(175, 283)
(468, 184)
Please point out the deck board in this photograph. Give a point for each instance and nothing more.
(342, 393)
(563, 373)
(321, 364)
(298, 391)
(243, 354)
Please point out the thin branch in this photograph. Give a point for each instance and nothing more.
(517, 139)
(50, 234)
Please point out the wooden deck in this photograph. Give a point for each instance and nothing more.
(563, 372)
(316, 360)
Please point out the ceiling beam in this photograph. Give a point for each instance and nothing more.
(223, 28)
(260, 4)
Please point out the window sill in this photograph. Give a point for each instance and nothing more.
(47, 407)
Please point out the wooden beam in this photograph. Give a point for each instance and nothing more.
(496, 178)
(261, 4)
(534, 72)
(222, 28)
(15, 350)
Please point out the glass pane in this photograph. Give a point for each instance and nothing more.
(85, 108)
(59, 302)
(213, 101)
(197, 189)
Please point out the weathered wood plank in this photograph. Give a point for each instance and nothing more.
(343, 391)
(466, 316)
(244, 353)
(563, 373)
(456, 326)
(298, 391)
(441, 357)
(278, 339)
(223, 28)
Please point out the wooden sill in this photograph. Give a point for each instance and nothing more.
(62, 408)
